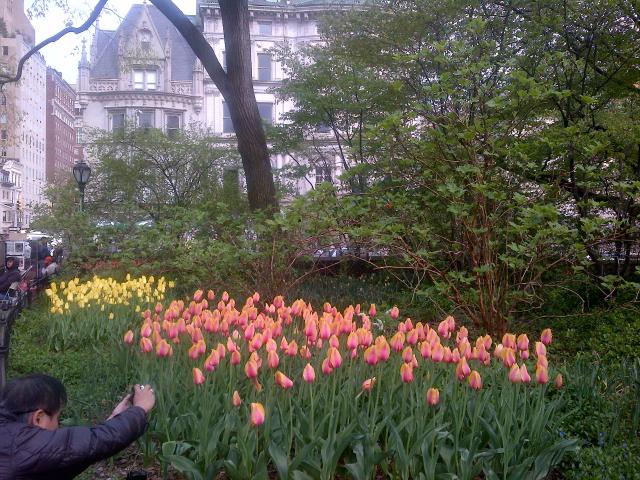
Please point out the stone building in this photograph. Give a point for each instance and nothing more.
(141, 74)
(146, 75)
(61, 134)
(22, 121)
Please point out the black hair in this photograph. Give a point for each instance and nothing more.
(25, 395)
(13, 259)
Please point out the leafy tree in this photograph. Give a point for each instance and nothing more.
(478, 188)
(145, 173)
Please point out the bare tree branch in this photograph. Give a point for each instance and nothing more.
(4, 79)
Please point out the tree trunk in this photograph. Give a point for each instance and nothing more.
(236, 87)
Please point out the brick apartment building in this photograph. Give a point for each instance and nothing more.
(61, 136)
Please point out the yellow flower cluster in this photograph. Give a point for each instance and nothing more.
(106, 291)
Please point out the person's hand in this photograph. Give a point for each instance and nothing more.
(144, 397)
(122, 406)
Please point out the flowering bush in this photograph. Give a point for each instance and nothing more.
(320, 393)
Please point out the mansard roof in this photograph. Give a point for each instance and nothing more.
(105, 65)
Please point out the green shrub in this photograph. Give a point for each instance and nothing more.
(615, 462)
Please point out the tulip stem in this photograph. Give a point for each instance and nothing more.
(313, 425)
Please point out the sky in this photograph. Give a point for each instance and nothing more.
(64, 54)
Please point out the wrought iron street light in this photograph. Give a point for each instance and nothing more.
(82, 173)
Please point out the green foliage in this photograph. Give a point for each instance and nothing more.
(612, 335)
(488, 145)
(603, 404)
(615, 462)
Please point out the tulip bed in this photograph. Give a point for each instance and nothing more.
(266, 389)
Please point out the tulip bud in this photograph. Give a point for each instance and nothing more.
(475, 381)
(524, 374)
(326, 367)
(542, 375)
(236, 400)
(425, 349)
(367, 385)
(541, 350)
(407, 354)
(257, 414)
(509, 340)
(433, 396)
(371, 355)
(462, 369)
(514, 374)
(394, 313)
(198, 377)
(383, 349)
(251, 369)
(372, 310)
(509, 358)
(128, 337)
(335, 359)
(523, 342)
(397, 341)
(273, 360)
(559, 382)
(406, 372)
(282, 380)
(145, 345)
(308, 374)
(163, 349)
(437, 352)
(542, 361)
(546, 336)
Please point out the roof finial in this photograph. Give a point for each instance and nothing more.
(83, 59)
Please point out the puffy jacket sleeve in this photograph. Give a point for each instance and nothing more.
(71, 450)
(7, 279)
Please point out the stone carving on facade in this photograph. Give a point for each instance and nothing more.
(181, 88)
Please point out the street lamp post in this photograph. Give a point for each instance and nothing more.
(82, 173)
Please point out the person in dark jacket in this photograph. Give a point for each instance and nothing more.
(32, 447)
(11, 274)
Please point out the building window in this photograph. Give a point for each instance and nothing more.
(264, 67)
(116, 121)
(227, 124)
(5, 50)
(145, 79)
(264, 28)
(266, 112)
(323, 174)
(145, 40)
(146, 119)
(6, 216)
(173, 124)
(3, 134)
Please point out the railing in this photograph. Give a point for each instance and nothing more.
(103, 86)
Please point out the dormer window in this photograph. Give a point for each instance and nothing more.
(145, 79)
(145, 39)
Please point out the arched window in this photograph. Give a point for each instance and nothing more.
(145, 39)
